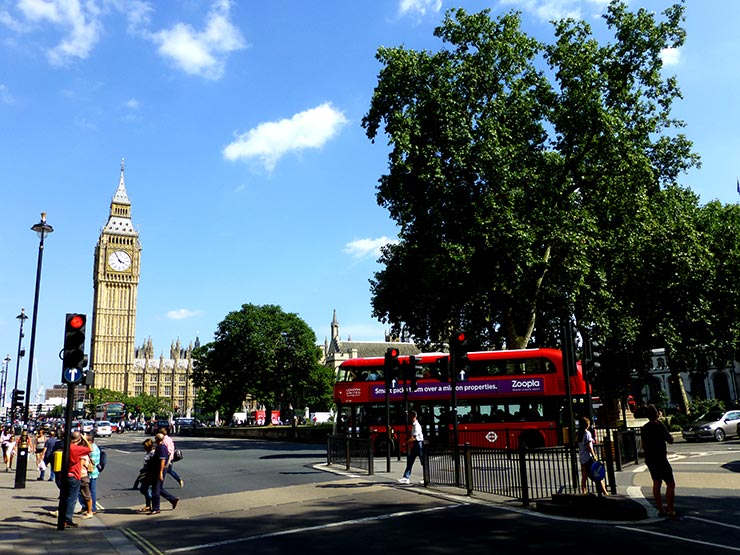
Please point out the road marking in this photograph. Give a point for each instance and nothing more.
(714, 522)
(143, 544)
(311, 528)
(679, 538)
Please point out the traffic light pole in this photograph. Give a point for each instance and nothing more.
(455, 433)
(63, 474)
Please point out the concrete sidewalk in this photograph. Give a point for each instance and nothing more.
(26, 527)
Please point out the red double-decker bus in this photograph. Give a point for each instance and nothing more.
(504, 399)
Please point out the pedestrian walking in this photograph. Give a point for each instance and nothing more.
(41, 440)
(158, 466)
(7, 440)
(143, 481)
(655, 438)
(171, 451)
(587, 455)
(53, 443)
(415, 448)
(90, 472)
(79, 447)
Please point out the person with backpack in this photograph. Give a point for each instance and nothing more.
(96, 456)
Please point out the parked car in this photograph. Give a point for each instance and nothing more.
(155, 425)
(187, 425)
(713, 425)
(103, 428)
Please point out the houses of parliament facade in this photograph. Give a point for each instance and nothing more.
(118, 364)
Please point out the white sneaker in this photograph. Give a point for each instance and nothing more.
(404, 481)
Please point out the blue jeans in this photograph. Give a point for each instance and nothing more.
(144, 490)
(74, 493)
(171, 472)
(159, 491)
(415, 451)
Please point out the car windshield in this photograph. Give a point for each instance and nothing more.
(711, 416)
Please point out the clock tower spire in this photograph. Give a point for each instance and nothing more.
(115, 282)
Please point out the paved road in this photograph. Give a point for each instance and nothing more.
(251, 496)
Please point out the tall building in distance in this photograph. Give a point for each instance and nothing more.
(115, 281)
(117, 363)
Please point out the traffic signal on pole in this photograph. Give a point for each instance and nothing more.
(441, 369)
(390, 367)
(411, 373)
(592, 351)
(595, 362)
(74, 341)
(459, 351)
(18, 398)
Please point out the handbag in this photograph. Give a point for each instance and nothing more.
(177, 455)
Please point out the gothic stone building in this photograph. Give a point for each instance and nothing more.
(117, 364)
(337, 351)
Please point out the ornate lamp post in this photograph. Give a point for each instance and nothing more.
(42, 229)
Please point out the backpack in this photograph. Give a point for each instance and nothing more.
(103, 460)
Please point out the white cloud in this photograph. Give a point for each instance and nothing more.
(202, 53)
(362, 248)
(182, 314)
(5, 96)
(670, 56)
(419, 6)
(79, 21)
(270, 141)
(548, 10)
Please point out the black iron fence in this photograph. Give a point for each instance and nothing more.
(525, 474)
(351, 452)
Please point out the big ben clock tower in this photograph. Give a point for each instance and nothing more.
(115, 281)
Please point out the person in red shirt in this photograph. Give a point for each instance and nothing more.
(79, 447)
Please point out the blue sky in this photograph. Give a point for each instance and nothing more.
(250, 177)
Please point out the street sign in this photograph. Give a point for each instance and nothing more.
(72, 375)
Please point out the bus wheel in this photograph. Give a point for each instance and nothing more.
(531, 439)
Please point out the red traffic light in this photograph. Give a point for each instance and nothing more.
(76, 322)
(460, 337)
(393, 352)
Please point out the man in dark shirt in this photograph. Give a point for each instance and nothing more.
(654, 440)
(157, 470)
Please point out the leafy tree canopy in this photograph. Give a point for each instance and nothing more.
(263, 353)
(514, 188)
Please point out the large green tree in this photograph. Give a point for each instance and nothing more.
(263, 353)
(514, 166)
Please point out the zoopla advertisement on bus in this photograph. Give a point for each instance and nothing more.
(482, 388)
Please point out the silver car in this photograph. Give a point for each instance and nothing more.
(103, 428)
(713, 425)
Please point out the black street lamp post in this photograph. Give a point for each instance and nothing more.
(21, 353)
(4, 386)
(42, 229)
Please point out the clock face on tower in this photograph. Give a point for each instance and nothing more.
(119, 260)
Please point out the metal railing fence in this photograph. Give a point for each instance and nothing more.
(524, 474)
(352, 452)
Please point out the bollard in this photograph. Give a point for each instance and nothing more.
(56, 463)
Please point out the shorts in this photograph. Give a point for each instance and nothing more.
(85, 488)
(661, 471)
